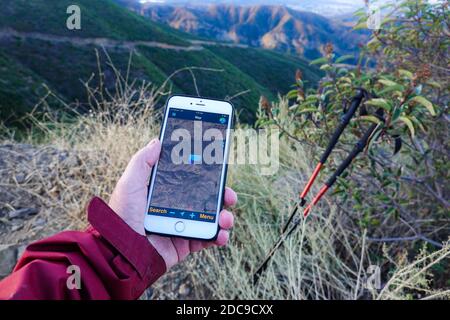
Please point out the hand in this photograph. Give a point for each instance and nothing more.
(129, 201)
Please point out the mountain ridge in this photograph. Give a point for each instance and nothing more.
(266, 26)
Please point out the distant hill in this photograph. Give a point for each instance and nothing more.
(36, 48)
(270, 27)
(327, 8)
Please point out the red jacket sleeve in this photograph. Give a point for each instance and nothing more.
(114, 262)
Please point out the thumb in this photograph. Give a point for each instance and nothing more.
(140, 165)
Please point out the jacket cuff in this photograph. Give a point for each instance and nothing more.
(135, 248)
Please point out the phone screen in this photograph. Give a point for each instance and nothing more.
(187, 182)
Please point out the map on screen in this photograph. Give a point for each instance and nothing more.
(187, 181)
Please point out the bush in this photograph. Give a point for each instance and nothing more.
(397, 191)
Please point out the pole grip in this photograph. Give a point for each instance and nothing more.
(310, 183)
(344, 122)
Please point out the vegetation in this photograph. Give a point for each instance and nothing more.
(99, 19)
(34, 38)
(20, 87)
(260, 64)
(397, 192)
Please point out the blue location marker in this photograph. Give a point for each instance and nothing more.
(194, 158)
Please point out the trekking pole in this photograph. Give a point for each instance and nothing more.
(356, 101)
(359, 147)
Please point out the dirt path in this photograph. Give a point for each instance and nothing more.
(196, 45)
(104, 42)
(214, 43)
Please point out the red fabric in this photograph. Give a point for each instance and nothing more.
(115, 262)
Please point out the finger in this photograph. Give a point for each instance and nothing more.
(222, 238)
(166, 249)
(197, 245)
(149, 154)
(208, 244)
(230, 197)
(182, 247)
(226, 219)
(140, 166)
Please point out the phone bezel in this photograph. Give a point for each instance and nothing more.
(199, 230)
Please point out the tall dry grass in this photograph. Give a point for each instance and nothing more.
(324, 259)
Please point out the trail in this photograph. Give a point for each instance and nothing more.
(196, 45)
(103, 42)
(215, 43)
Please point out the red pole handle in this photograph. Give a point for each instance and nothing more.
(311, 180)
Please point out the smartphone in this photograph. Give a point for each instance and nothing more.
(187, 184)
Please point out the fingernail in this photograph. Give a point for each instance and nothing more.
(153, 141)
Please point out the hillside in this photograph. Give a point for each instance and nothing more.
(99, 18)
(325, 8)
(269, 27)
(36, 48)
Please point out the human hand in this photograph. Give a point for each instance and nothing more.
(129, 201)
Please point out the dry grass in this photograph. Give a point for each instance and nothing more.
(324, 259)
(308, 266)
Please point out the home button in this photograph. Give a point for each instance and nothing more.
(179, 226)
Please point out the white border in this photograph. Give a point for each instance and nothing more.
(193, 229)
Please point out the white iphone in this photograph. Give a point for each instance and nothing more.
(187, 183)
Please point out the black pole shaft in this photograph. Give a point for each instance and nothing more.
(344, 122)
(359, 147)
(291, 216)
